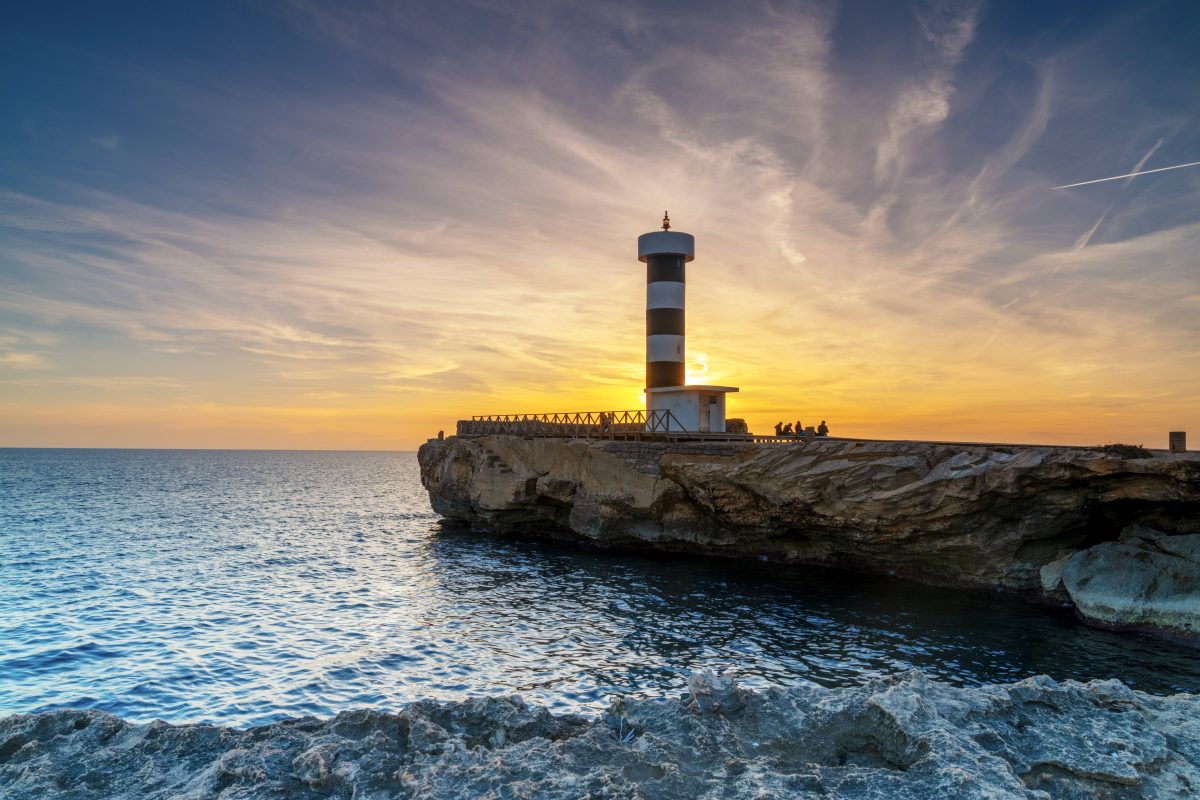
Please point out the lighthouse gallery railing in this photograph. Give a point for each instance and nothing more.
(578, 424)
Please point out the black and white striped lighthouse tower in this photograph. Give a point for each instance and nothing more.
(665, 253)
(671, 404)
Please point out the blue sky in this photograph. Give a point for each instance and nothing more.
(319, 224)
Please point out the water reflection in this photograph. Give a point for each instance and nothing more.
(245, 587)
(647, 620)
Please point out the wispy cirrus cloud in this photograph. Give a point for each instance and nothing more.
(924, 103)
(451, 232)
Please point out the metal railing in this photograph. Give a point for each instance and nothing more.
(576, 424)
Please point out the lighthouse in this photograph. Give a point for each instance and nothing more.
(696, 409)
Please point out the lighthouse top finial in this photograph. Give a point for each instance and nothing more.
(666, 222)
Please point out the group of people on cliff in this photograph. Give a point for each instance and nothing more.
(787, 430)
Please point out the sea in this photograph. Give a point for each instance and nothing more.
(243, 587)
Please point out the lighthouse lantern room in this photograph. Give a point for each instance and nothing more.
(700, 409)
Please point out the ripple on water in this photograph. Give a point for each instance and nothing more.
(241, 587)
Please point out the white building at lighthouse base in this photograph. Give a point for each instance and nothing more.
(695, 409)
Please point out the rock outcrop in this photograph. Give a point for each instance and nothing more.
(895, 738)
(1147, 580)
(1016, 517)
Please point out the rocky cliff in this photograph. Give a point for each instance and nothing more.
(1066, 524)
(896, 738)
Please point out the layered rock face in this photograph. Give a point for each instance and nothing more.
(895, 738)
(982, 515)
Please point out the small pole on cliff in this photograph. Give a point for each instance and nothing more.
(666, 222)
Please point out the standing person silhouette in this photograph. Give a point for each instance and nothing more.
(799, 428)
(779, 428)
(822, 429)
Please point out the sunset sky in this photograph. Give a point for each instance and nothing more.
(345, 225)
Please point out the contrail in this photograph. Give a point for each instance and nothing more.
(1129, 175)
(1145, 158)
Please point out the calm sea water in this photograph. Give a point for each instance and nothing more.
(242, 587)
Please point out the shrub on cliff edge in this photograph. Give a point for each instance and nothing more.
(1125, 450)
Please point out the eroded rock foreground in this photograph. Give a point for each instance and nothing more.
(1117, 537)
(903, 737)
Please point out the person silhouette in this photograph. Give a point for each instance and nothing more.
(779, 428)
(787, 429)
(822, 429)
(799, 427)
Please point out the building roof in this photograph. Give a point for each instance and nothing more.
(691, 388)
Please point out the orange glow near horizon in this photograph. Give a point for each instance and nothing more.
(873, 363)
(892, 382)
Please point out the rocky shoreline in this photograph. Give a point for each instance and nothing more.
(1117, 537)
(899, 737)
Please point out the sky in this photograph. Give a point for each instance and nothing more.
(294, 224)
